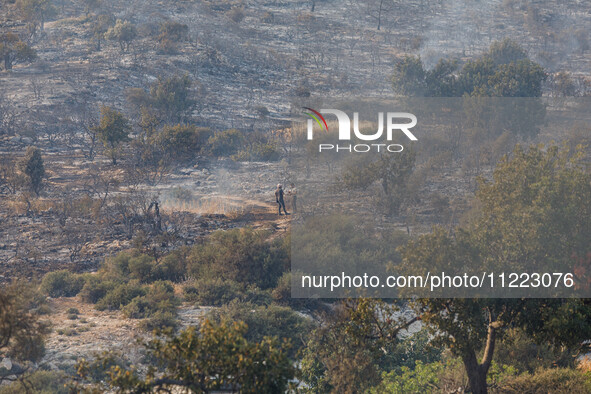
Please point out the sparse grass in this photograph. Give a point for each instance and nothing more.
(44, 310)
(74, 21)
(68, 332)
(224, 205)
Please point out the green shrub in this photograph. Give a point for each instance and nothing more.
(44, 310)
(256, 296)
(73, 311)
(95, 288)
(181, 142)
(62, 284)
(263, 151)
(241, 255)
(160, 320)
(39, 382)
(158, 297)
(174, 31)
(212, 292)
(117, 267)
(282, 292)
(138, 308)
(270, 321)
(549, 381)
(519, 350)
(423, 378)
(99, 367)
(225, 143)
(140, 267)
(120, 296)
(171, 267)
(281, 295)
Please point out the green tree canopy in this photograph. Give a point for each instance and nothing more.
(21, 332)
(124, 32)
(13, 50)
(355, 342)
(33, 169)
(37, 10)
(213, 357)
(112, 130)
(100, 26)
(169, 99)
(503, 71)
(535, 216)
(391, 171)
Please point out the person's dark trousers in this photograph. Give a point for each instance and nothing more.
(281, 203)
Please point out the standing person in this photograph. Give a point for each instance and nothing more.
(294, 198)
(279, 199)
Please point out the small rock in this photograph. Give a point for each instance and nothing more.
(6, 363)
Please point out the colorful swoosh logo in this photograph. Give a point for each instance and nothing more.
(315, 115)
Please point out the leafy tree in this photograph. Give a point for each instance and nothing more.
(13, 50)
(157, 151)
(259, 151)
(21, 332)
(355, 342)
(124, 32)
(564, 85)
(169, 99)
(39, 381)
(474, 76)
(112, 130)
(172, 97)
(392, 172)
(225, 143)
(505, 52)
(503, 71)
(33, 169)
(534, 216)
(267, 321)
(62, 283)
(213, 357)
(242, 255)
(441, 80)
(517, 79)
(101, 25)
(181, 141)
(409, 76)
(37, 10)
(173, 31)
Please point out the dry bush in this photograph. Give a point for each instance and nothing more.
(236, 14)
